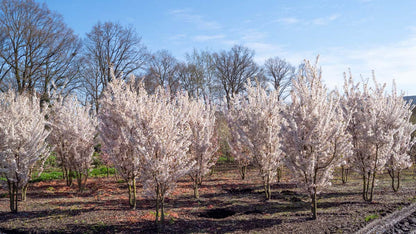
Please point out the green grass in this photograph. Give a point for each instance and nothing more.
(56, 173)
(368, 218)
(224, 159)
(101, 171)
(45, 176)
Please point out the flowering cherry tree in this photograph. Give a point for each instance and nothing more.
(380, 131)
(313, 134)
(73, 132)
(119, 102)
(22, 140)
(204, 141)
(256, 120)
(163, 137)
(238, 125)
(402, 139)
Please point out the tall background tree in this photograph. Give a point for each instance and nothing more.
(110, 46)
(233, 68)
(162, 71)
(280, 74)
(201, 79)
(36, 48)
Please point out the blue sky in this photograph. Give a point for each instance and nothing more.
(362, 35)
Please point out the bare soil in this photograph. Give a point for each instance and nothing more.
(227, 205)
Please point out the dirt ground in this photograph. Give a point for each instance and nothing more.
(52, 207)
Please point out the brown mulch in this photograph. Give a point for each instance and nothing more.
(53, 207)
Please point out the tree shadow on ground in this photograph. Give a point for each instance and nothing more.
(6, 216)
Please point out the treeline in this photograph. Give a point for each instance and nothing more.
(39, 52)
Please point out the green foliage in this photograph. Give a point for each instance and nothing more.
(51, 161)
(224, 159)
(96, 159)
(45, 176)
(101, 171)
(368, 218)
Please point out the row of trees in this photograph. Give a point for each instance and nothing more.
(155, 133)
(157, 138)
(154, 138)
(364, 129)
(38, 49)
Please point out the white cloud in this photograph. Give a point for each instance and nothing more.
(188, 16)
(317, 21)
(178, 37)
(288, 20)
(394, 61)
(325, 20)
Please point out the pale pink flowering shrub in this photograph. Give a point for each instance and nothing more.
(313, 134)
(22, 141)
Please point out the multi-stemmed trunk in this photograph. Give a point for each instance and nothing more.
(369, 178)
(24, 191)
(13, 194)
(395, 179)
(81, 180)
(197, 181)
(160, 205)
(267, 188)
(132, 193)
(67, 175)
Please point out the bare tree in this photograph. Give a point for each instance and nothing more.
(201, 83)
(162, 71)
(110, 46)
(280, 73)
(36, 48)
(233, 68)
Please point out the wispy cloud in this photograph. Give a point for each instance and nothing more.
(392, 61)
(188, 16)
(325, 20)
(177, 37)
(203, 38)
(288, 20)
(316, 21)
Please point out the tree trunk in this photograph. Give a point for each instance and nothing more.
(243, 172)
(196, 192)
(368, 189)
(24, 191)
(157, 205)
(134, 194)
(130, 198)
(344, 175)
(162, 217)
(267, 190)
(314, 205)
(68, 177)
(13, 194)
(368, 186)
(279, 174)
(81, 180)
(395, 180)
